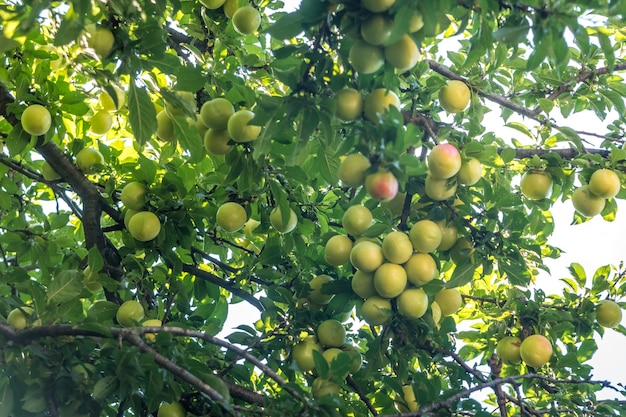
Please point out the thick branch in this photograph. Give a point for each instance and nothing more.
(32, 334)
(170, 366)
(207, 276)
(352, 383)
(521, 110)
(93, 203)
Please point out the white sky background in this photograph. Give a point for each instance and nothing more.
(592, 244)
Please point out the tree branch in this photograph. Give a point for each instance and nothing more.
(352, 383)
(91, 198)
(214, 279)
(447, 403)
(521, 110)
(29, 335)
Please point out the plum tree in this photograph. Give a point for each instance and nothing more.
(397, 168)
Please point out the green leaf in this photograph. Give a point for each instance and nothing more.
(65, 286)
(189, 78)
(463, 273)
(607, 47)
(287, 27)
(189, 138)
(5, 46)
(105, 387)
(141, 113)
(520, 127)
(578, 272)
(6, 399)
(516, 273)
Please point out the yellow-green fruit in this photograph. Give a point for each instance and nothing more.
(378, 102)
(231, 216)
(376, 30)
(508, 349)
(215, 113)
(134, 195)
(331, 354)
(439, 189)
(49, 174)
(587, 203)
(402, 54)
(128, 214)
(303, 353)
(197, 123)
(425, 236)
(356, 220)
(337, 250)
(381, 185)
(174, 409)
(449, 237)
(144, 226)
(331, 333)
(390, 280)
(416, 22)
(165, 127)
(246, 20)
(36, 120)
(276, 219)
(230, 7)
(412, 302)
(323, 387)
(216, 142)
(366, 256)
(444, 161)
(349, 104)
(89, 160)
(90, 278)
(421, 268)
(101, 40)
(151, 337)
(436, 312)
(317, 296)
(608, 314)
(377, 6)
(376, 310)
(107, 102)
(449, 300)
(250, 226)
(363, 284)
(470, 172)
(352, 169)
(19, 317)
(454, 96)
(536, 185)
(536, 350)
(406, 401)
(366, 58)
(101, 122)
(239, 128)
(397, 247)
(604, 183)
(130, 313)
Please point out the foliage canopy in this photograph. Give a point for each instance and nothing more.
(129, 80)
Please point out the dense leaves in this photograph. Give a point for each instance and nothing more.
(68, 258)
